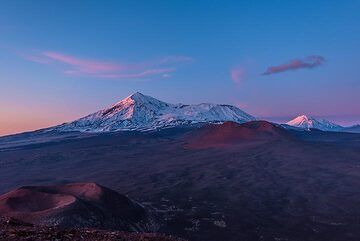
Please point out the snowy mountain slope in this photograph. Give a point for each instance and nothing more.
(305, 122)
(141, 112)
(353, 129)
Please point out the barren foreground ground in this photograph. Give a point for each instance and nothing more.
(306, 187)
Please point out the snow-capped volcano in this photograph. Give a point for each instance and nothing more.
(141, 112)
(307, 123)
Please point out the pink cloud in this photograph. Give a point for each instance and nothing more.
(241, 105)
(238, 75)
(74, 66)
(82, 65)
(144, 74)
(306, 63)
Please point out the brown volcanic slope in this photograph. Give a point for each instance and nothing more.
(14, 230)
(73, 205)
(231, 133)
(304, 188)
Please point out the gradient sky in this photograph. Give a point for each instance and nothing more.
(60, 60)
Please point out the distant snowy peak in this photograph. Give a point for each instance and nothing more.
(354, 129)
(142, 112)
(305, 122)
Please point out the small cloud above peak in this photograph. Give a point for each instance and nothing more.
(309, 62)
(237, 75)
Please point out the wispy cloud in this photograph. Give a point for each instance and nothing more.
(138, 75)
(35, 58)
(237, 74)
(176, 59)
(75, 66)
(306, 63)
(83, 65)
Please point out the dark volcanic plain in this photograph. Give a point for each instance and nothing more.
(264, 183)
(14, 230)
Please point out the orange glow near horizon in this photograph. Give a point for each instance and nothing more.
(24, 118)
(8, 128)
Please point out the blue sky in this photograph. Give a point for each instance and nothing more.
(61, 60)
